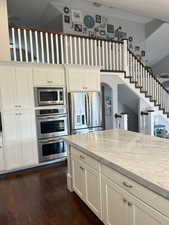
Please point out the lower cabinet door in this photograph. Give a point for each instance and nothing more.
(93, 189)
(28, 138)
(2, 166)
(113, 204)
(142, 214)
(78, 177)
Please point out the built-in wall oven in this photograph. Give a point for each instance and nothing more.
(51, 125)
(50, 149)
(45, 96)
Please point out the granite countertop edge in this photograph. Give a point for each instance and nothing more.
(138, 179)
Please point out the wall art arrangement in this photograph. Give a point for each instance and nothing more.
(77, 22)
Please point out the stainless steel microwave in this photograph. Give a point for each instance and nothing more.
(49, 96)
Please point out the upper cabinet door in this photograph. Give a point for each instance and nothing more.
(82, 78)
(49, 77)
(8, 88)
(24, 91)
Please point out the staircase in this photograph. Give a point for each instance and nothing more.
(35, 46)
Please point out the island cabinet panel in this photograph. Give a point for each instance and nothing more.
(113, 204)
(92, 184)
(78, 176)
(87, 184)
(139, 213)
(121, 208)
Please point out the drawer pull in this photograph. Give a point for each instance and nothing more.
(129, 204)
(127, 185)
(82, 157)
(81, 168)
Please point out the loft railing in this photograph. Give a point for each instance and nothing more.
(31, 45)
(38, 46)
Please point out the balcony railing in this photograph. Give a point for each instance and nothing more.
(37, 46)
(30, 45)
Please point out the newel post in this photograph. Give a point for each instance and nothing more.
(125, 56)
(4, 32)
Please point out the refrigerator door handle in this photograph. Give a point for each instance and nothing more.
(87, 110)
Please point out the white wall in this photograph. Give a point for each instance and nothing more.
(162, 66)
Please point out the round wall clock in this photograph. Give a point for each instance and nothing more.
(89, 21)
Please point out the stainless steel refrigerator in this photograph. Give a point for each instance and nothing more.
(85, 112)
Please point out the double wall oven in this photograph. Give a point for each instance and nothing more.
(51, 121)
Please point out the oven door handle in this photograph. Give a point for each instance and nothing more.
(51, 141)
(52, 117)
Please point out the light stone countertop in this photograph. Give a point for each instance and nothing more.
(140, 157)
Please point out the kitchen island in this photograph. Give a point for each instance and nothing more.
(122, 176)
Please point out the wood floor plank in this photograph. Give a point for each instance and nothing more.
(40, 197)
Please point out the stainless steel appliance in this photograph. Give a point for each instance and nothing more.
(51, 123)
(50, 149)
(85, 112)
(49, 96)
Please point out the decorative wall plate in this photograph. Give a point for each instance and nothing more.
(89, 21)
(66, 10)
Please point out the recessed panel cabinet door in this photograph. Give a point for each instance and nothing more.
(28, 138)
(141, 214)
(2, 166)
(24, 85)
(12, 146)
(92, 184)
(113, 206)
(78, 176)
(8, 88)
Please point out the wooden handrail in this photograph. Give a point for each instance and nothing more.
(62, 33)
(148, 70)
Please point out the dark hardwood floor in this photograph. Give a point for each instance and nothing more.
(40, 197)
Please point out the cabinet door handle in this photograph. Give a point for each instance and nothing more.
(82, 157)
(127, 185)
(81, 168)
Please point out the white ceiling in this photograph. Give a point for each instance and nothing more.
(151, 8)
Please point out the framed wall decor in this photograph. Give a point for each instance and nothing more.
(143, 53)
(66, 19)
(89, 21)
(91, 34)
(76, 16)
(66, 10)
(110, 28)
(78, 27)
(98, 19)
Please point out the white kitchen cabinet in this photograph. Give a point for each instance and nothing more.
(28, 138)
(8, 88)
(92, 192)
(141, 214)
(24, 88)
(82, 78)
(49, 76)
(2, 166)
(16, 88)
(86, 183)
(113, 205)
(121, 208)
(19, 135)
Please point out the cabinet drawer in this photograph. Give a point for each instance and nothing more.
(154, 200)
(85, 158)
